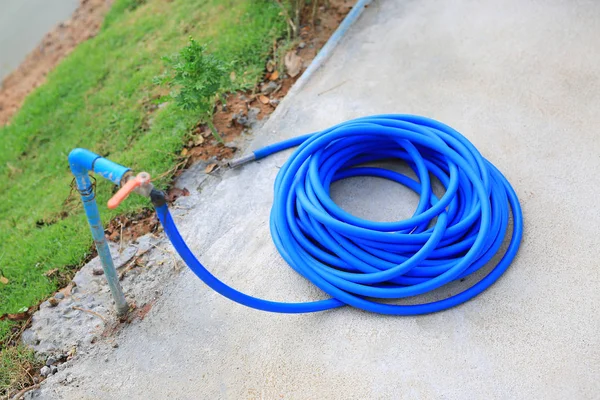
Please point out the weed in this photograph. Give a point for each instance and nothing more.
(197, 77)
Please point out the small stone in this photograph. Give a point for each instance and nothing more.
(240, 119)
(59, 296)
(115, 345)
(45, 371)
(253, 114)
(30, 338)
(69, 379)
(51, 360)
(302, 45)
(53, 302)
(274, 102)
(268, 88)
(53, 369)
(98, 271)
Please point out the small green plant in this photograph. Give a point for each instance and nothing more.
(197, 77)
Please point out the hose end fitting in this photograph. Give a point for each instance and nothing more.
(241, 161)
(158, 198)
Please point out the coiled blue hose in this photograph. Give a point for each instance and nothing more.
(362, 263)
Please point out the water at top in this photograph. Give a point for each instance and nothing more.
(23, 23)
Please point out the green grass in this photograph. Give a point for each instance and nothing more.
(98, 98)
(17, 364)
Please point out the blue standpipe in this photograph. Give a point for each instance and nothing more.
(83, 161)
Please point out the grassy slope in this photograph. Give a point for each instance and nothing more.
(96, 98)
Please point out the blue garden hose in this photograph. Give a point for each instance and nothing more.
(365, 264)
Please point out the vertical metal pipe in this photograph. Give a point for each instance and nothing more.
(81, 161)
(88, 197)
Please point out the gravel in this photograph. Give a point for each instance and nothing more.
(57, 326)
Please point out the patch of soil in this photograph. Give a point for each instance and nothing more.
(56, 45)
(126, 228)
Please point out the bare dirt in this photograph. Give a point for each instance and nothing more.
(56, 45)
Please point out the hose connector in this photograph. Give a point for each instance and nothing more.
(140, 184)
(241, 161)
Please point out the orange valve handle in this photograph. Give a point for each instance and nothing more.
(131, 185)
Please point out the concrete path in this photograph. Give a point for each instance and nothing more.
(519, 78)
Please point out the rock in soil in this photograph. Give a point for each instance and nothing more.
(59, 296)
(45, 371)
(53, 369)
(51, 360)
(240, 119)
(268, 88)
(98, 271)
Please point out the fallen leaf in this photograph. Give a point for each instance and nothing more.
(184, 152)
(210, 168)
(274, 76)
(198, 141)
(263, 99)
(293, 63)
(67, 290)
(15, 317)
(51, 273)
(232, 76)
(4, 280)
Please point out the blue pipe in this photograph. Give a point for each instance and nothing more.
(83, 161)
(331, 44)
(362, 263)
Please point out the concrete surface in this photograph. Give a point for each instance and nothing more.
(59, 326)
(520, 78)
(23, 23)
